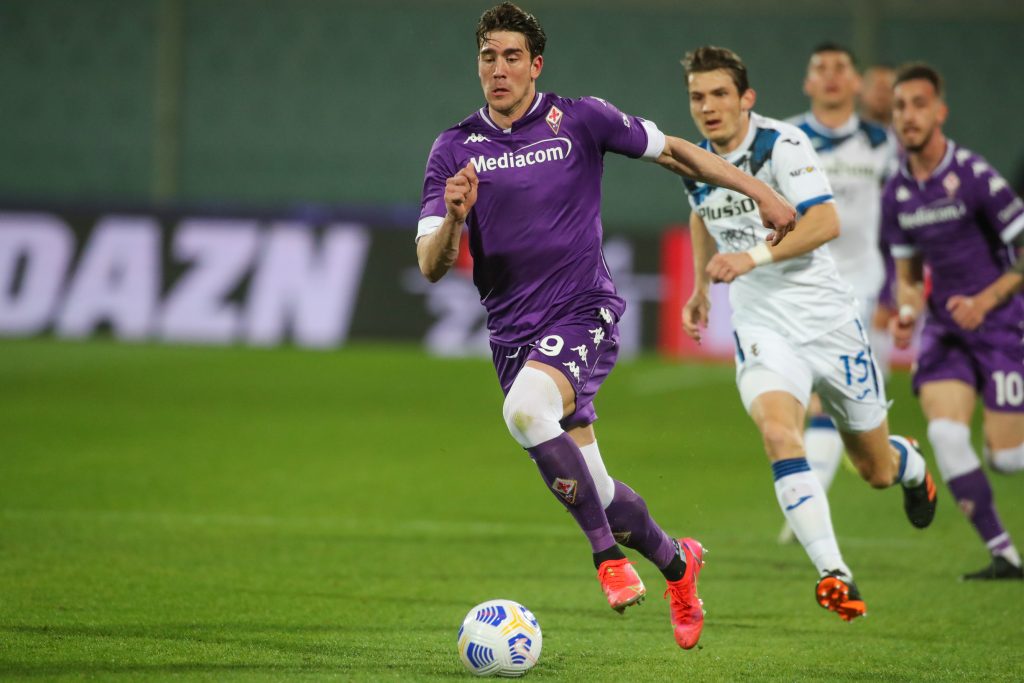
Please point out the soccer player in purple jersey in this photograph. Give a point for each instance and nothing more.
(948, 209)
(522, 175)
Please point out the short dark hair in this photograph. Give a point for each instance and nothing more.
(919, 70)
(509, 17)
(711, 58)
(832, 46)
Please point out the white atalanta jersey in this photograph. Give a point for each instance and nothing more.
(803, 297)
(858, 157)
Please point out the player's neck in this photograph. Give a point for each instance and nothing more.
(833, 117)
(923, 162)
(518, 111)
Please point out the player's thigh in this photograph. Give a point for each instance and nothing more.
(948, 399)
(565, 389)
(579, 353)
(767, 362)
(847, 378)
(943, 357)
(1003, 430)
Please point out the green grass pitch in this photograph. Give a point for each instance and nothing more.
(236, 514)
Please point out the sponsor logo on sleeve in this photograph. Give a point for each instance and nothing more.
(800, 171)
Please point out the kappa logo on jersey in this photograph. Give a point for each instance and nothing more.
(540, 152)
(598, 336)
(574, 369)
(902, 194)
(566, 488)
(554, 119)
(996, 183)
(979, 167)
(625, 121)
(476, 137)
(952, 183)
(606, 315)
(582, 350)
(962, 155)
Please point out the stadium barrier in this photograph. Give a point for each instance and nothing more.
(315, 279)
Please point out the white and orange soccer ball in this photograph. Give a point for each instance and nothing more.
(499, 638)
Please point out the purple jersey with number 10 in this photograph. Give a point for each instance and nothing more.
(535, 231)
(960, 221)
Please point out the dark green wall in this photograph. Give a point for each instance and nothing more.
(265, 102)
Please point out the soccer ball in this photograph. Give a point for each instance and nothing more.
(499, 638)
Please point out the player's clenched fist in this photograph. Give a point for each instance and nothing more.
(460, 193)
(778, 215)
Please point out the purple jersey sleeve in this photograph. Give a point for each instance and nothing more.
(899, 241)
(614, 131)
(440, 167)
(997, 201)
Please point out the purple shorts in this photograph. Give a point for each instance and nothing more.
(990, 360)
(582, 347)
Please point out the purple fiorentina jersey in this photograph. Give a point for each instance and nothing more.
(535, 230)
(960, 221)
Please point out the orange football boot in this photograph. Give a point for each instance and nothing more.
(838, 593)
(621, 584)
(687, 609)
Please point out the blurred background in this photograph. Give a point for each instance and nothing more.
(222, 171)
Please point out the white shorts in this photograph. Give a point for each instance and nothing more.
(838, 366)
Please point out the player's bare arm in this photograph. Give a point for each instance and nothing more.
(690, 161)
(819, 225)
(437, 251)
(698, 307)
(909, 298)
(969, 311)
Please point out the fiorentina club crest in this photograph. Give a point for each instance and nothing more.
(566, 488)
(554, 119)
(951, 183)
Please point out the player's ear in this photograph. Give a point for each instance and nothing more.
(748, 99)
(943, 112)
(807, 87)
(536, 66)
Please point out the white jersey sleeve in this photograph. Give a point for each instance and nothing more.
(798, 171)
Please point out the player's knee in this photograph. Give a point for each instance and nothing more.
(951, 442)
(1006, 460)
(781, 440)
(533, 408)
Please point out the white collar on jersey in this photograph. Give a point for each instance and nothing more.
(733, 156)
(947, 159)
(848, 128)
(537, 99)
